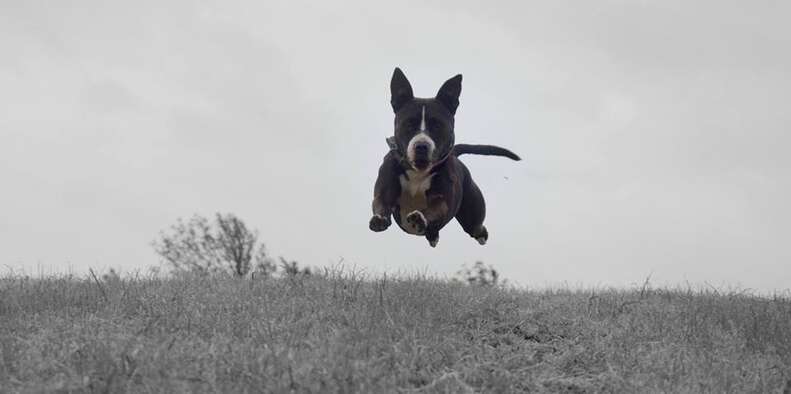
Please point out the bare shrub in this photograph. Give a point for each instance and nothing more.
(226, 244)
(291, 268)
(479, 274)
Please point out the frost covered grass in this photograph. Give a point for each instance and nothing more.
(342, 332)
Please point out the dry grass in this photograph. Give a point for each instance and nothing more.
(338, 332)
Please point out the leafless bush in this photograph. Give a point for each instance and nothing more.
(479, 274)
(226, 244)
(291, 268)
(111, 276)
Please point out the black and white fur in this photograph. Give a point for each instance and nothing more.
(421, 181)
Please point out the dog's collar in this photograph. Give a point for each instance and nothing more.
(436, 166)
(402, 160)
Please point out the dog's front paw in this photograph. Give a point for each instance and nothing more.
(417, 222)
(379, 223)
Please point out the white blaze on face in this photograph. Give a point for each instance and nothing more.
(423, 119)
(421, 136)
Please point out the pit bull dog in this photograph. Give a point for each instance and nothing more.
(421, 181)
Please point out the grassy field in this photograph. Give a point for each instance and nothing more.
(340, 332)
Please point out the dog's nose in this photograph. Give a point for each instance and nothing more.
(421, 149)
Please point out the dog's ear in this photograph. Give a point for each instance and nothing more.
(449, 93)
(400, 90)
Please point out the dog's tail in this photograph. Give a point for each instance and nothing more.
(487, 150)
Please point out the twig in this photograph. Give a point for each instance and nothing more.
(645, 285)
(101, 288)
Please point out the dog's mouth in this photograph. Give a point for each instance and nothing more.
(421, 163)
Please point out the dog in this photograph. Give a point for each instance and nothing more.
(421, 182)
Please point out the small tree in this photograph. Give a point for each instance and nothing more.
(202, 246)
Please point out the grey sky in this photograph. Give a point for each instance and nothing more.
(655, 133)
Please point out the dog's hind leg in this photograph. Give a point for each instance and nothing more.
(472, 212)
(433, 237)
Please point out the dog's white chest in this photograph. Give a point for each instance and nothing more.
(414, 183)
(413, 192)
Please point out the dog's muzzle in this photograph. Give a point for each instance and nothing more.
(420, 151)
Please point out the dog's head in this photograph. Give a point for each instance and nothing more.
(424, 126)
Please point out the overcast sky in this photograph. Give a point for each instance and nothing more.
(655, 134)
